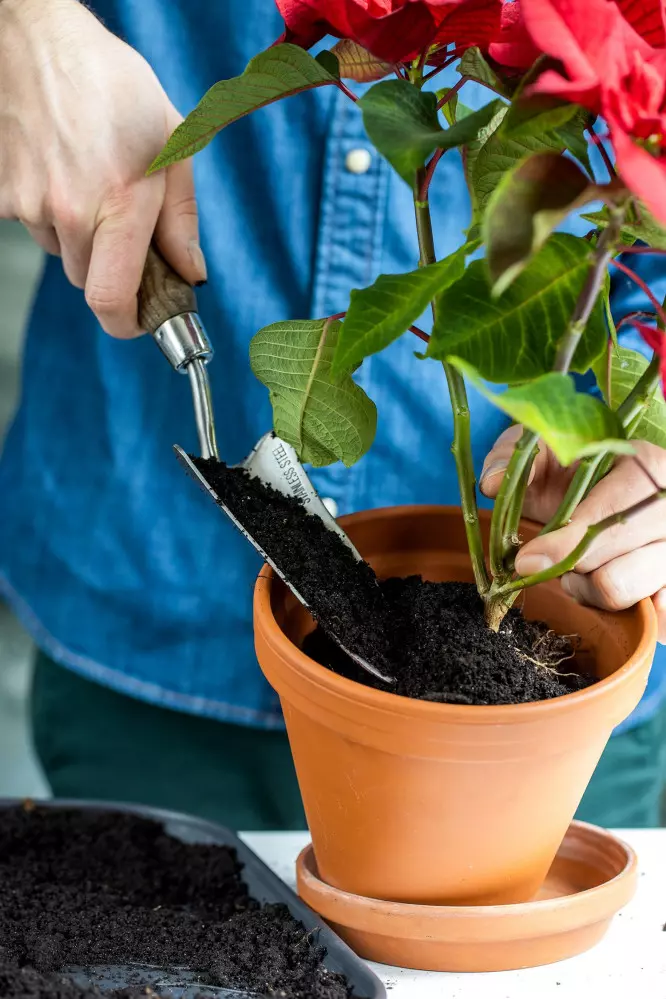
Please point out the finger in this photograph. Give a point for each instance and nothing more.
(76, 242)
(623, 582)
(624, 486)
(659, 600)
(177, 231)
(498, 459)
(120, 247)
(46, 237)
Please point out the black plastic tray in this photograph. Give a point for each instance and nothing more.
(264, 885)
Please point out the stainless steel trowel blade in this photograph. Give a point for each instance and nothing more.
(276, 464)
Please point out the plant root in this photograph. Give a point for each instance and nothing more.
(549, 664)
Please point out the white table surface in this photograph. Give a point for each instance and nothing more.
(630, 963)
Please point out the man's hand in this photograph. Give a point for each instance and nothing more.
(82, 116)
(625, 563)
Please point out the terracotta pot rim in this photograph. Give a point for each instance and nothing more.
(480, 714)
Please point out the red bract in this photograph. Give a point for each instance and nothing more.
(513, 47)
(393, 30)
(647, 17)
(656, 340)
(472, 22)
(610, 69)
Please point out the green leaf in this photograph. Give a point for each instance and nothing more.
(572, 136)
(356, 63)
(537, 114)
(325, 422)
(470, 157)
(330, 63)
(527, 205)
(572, 424)
(474, 65)
(402, 123)
(450, 109)
(648, 230)
(627, 366)
(378, 315)
(279, 72)
(489, 158)
(489, 163)
(541, 114)
(608, 312)
(514, 338)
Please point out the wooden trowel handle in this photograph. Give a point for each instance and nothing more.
(163, 293)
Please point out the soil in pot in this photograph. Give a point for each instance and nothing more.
(81, 889)
(430, 636)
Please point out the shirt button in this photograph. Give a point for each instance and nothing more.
(358, 160)
(331, 506)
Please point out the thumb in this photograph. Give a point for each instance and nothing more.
(498, 458)
(547, 482)
(548, 549)
(177, 229)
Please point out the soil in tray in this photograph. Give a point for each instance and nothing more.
(430, 636)
(81, 889)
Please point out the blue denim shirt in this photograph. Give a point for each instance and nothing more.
(119, 566)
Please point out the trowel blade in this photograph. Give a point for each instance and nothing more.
(276, 464)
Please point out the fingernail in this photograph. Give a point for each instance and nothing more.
(511, 434)
(528, 565)
(197, 258)
(200, 284)
(494, 468)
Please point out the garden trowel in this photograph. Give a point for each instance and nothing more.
(168, 310)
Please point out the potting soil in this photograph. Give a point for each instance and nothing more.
(82, 889)
(430, 636)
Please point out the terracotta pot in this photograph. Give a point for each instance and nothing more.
(414, 801)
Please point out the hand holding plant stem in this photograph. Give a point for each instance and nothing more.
(537, 309)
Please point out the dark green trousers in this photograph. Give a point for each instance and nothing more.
(95, 743)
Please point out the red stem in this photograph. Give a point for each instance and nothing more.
(412, 329)
(429, 174)
(419, 333)
(631, 318)
(450, 94)
(451, 58)
(644, 288)
(345, 90)
(598, 142)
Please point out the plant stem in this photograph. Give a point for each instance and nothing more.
(462, 438)
(569, 563)
(599, 143)
(428, 174)
(517, 470)
(346, 91)
(515, 511)
(602, 256)
(592, 469)
(450, 94)
(503, 529)
(638, 280)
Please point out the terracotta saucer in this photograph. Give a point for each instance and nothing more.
(592, 877)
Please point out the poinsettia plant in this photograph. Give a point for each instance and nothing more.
(562, 75)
